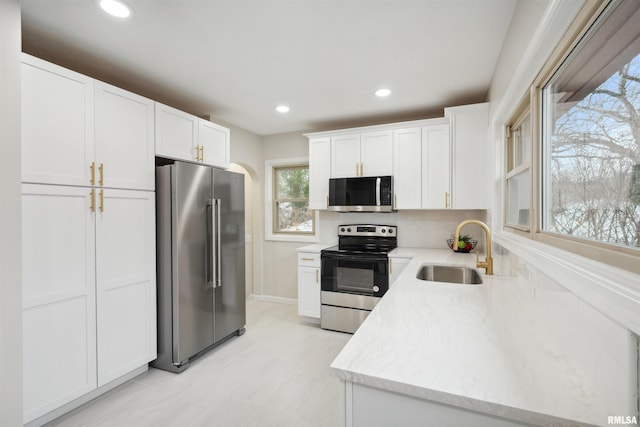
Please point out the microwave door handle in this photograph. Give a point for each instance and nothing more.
(378, 191)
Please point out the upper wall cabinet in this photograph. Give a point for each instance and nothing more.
(436, 167)
(183, 136)
(470, 160)
(78, 131)
(319, 172)
(57, 124)
(366, 154)
(407, 166)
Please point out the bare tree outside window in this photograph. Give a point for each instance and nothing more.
(591, 137)
(291, 212)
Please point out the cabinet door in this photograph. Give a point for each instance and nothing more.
(376, 154)
(319, 172)
(124, 138)
(126, 287)
(176, 133)
(57, 124)
(469, 136)
(309, 292)
(436, 170)
(345, 156)
(59, 311)
(214, 144)
(407, 169)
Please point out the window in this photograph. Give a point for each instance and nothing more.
(291, 212)
(591, 134)
(287, 212)
(518, 171)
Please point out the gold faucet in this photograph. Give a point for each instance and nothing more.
(487, 264)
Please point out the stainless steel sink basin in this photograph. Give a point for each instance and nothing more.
(449, 273)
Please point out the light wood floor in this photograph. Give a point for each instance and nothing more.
(276, 374)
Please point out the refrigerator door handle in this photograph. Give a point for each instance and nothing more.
(218, 269)
(210, 246)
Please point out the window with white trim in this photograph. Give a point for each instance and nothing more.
(287, 212)
(518, 172)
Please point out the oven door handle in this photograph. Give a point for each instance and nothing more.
(354, 257)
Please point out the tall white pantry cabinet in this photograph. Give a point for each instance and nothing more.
(89, 302)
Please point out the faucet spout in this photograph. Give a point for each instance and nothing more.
(487, 264)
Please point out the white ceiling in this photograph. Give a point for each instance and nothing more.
(236, 60)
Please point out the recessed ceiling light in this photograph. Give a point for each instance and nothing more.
(383, 92)
(282, 109)
(115, 8)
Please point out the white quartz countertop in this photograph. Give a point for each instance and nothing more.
(315, 247)
(468, 346)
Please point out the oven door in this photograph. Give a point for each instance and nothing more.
(359, 274)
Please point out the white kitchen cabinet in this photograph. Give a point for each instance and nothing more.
(407, 168)
(396, 266)
(57, 124)
(366, 154)
(470, 159)
(345, 156)
(373, 407)
(436, 170)
(176, 134)
(126, 287)
(78, 131)
(376, 153)
(183, 136)
(319, 172)
(214, 143)
(309, 284)
(59, 296)
(124, 139)
(89, 304)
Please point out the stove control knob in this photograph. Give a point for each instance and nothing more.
(342, 229)
(384, 231)
(391, 231)
(349, 230)
(376, 289)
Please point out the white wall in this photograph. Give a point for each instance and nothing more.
(10, 222)
(280, 259)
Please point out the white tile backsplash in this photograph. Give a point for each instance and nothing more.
(604, 352)
(416, 229)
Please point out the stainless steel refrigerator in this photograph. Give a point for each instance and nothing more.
(200, 261)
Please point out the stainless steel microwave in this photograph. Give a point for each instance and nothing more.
(361, 194)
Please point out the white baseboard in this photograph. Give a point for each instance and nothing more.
(270, 298)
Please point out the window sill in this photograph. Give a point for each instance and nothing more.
(292, 238)
(613, 291)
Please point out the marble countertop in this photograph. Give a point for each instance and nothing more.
(467, 346)
(315, 247)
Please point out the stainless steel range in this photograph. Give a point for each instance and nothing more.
(355, 274)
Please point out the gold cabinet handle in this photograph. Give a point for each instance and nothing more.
(446, 200)
(390, 265)
(197, 153)
(357, 171)
(317, 274)
(395, 201)
(93, 173)
(101, 168)
(101, 200)
(93, 200)
(361, 169)
(202, 153)
(307, 259)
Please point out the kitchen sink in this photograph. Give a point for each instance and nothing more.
(449, 273)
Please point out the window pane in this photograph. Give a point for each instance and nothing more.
(294, 217)
(591, 134)
(292, 183)
(518, 196)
